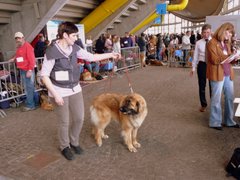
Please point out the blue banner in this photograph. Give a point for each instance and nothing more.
(161, 8)
(157, 20)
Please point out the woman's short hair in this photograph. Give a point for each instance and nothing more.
(66, 27)
(219, 33)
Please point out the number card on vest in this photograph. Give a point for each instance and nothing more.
(62, 75)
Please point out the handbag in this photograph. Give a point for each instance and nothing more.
(233, 167)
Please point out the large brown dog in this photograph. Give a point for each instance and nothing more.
(129, 110)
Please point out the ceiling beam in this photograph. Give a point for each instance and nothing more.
(118, 21)
(70, 14)
(5, 14)
(9, 7)
(81, 4)
(76, 10)
(125, 14)
(16, 2)
(73, 20)
(141, 1)
(4, 20)
(133, 7)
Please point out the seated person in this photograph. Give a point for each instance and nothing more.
(151, 51)
(92, 67)
(107, 66)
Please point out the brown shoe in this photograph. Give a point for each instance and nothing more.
(202, 109)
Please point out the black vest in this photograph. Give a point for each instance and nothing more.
(63, 63)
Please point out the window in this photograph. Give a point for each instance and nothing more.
(236, 3)
(230, 4)
(174, 24)
(171, 28)
(178, 28)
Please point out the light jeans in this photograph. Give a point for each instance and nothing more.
(216, 111)
(159, 55)
(29, 88)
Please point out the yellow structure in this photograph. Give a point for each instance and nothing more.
(149, 19)
(107, 8)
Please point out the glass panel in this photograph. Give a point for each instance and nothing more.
(230, 4)
(236, 2)
(185, 25)
(171, 29)
(165, 19)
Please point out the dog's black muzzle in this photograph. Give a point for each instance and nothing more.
(127, 111)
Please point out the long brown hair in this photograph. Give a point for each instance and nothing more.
(219, 33)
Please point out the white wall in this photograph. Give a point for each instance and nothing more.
(217, 21)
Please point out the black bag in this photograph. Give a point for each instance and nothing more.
(233, 167)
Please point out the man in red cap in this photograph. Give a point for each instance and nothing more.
(25, 61)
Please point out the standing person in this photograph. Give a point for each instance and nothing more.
(116, 44)
(108, 43)
(126, 41)
(142, 47)
(221, 77)
(192, 39)
(117, 49)
(40, 46)
(133, 37)
(160, 46)
(199, 61)
(186, 47)
(100, 43)
(60, 73)
(198, 36)
(79, 42)
(89, 43)
(25, 61)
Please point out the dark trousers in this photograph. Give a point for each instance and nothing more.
(185, 55)
(201, 71)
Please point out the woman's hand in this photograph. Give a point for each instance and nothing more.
(116, 56)
(59, 100)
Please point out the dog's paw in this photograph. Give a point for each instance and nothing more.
(105, 136)
(99, 143)
(137, 145)
(132, 149)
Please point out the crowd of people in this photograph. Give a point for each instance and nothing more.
(60, 70)
(159, 47)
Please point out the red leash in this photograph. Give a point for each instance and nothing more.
(110, 81)
(127, 75)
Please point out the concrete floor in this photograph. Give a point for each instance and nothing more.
(176, 140)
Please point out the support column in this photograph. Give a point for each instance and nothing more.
(30, 20)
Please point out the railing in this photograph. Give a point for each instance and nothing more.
(11, 86)
(130, 58)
